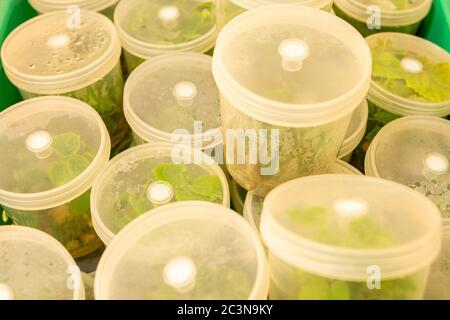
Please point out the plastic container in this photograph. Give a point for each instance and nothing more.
(414, 151)
(173, 98)
(372, 16)
(277, 70)
(228, 9)
(253, 204)
(190, 251)
(349, 237)
(355, 131)
(148, 176)
(152, 28)
(56, 147)
(237, 195)
(52, 55)
(34, 266)
(105, 7)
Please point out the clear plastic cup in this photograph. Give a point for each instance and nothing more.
(152, 28)
(174, 99)
(355, 132)
(253, 204)
(188, 250)
(237, 195)
(75, 56)
(151, 175)
(34, 266)
(410, 77)
(105, 7)
(55, 147)
(228, 9)
(277, 68)
(349, 237)
(372, 16)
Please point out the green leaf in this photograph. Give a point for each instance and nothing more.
(433, 83)
(57, 173)
(314, 216)
(66, 144)
(365, 232)
(80, 205)
(208, 187)
(175, 174)
(76, 164)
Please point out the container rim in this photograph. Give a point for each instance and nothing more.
(146, 50)
(140, 152)
(45, 6)
(390, 18)
(70, 81)
(35, 235)
(208, 139)
(168, 214)
(347, 263)
(353, 140)
(73, 188)
(250, 4)
(290, 114)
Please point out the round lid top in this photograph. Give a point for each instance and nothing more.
(411, 76)
(36, 266)
(414, 151)
(148, 176)
(253, 204)
(44, 6)
(338, 225)
(356, 129)
(55, 147)
(181, 84)
(149, 28)
(189, 250)
(250, 4)
(280, 65)
(60, 51)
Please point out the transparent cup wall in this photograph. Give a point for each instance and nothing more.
(302, 151)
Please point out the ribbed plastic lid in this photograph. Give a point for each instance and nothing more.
(35, 266)
(54, 148)
(45, 6)
(149, 28)
(414, 151)
(338, 225)
(151, 175)
(178, 84)
(281, 65)
(356, 129)
(59, 52)
(188, 250)
(411, 76)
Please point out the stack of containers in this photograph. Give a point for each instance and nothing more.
(55, 54)
(415, 151)
(56, 147)
(36, 267)
(105, 7)
(152, 28)
(292, 76)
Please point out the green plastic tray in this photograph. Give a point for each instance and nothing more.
(436, 26)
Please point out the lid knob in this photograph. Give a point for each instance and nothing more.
(169, 15)
(411, 65)
(293, 52)
(58, 41)
(160, 192)
(436, 164)
(6, 292)
(180, 274)
(185, 92)
(351, 208)
(39, 142)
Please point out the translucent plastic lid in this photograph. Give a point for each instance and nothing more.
(35, 266)
(414, 151)
(338, 225)
(253, 204)
(178, 84)
(190, 250)
(291, 65)
(54, 5)
(250, 4)
(356, 129)
(391, 12)
(149, 28)
(60, 52)
(55, 148)
(411, 76)
(148, 176)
